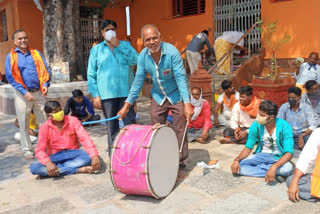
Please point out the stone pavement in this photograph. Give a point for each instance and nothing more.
(203, 191)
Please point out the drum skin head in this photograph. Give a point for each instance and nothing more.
(163, 161)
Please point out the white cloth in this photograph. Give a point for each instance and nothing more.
(23, 109)
(270, 146)
(240, 118)
(197, 106)
(305, 74)
(309, 152)
(233, 37)
(110, 34)
(193, 59)
(220, 100)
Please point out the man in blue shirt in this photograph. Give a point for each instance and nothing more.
(274, 150)
(109, 76)
(28, 73)
(81, 107)
(193, 49)
(299, 115)
(170, 86)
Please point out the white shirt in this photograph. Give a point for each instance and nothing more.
(305, 74)
(220, 101)
(270, 142)
(240, 118)
(309, 152)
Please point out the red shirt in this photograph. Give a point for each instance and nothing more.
(51, 141)
(204, 118)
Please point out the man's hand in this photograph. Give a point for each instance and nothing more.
(114, 42)
(235, 167)
(293, 192)
(95, 163)
(45, 91)
(124, 110)
(52, 169)
(216, 122)
(237, 133)
(188, 111)
(242, 135)
(300, 141)
(97, 102)
(205, 134)
(29, 96)
(271, 173)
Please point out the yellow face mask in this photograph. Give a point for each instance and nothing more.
(58, 116)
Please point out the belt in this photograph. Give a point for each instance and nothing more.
(34, 90)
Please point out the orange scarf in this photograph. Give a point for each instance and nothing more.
(231, 102)
(42, 71)
(252, 108)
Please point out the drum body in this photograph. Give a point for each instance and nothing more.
(145, 161)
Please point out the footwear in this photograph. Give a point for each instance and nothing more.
(280, 179)
(181, 174)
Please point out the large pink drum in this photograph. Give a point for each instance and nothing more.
(145, 160)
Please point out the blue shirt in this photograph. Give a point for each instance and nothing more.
(169, 80)
(300, 120)
(315, 105)
(79, 109)
(284, 137)
(108, 71)
(197, 43)
(28, 72)
(305, 74)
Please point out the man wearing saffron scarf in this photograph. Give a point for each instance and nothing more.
(29, 74)
(225, 103)
(200, 124)
(244, 114)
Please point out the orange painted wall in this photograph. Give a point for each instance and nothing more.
(21, 14)
(300, 20)
(177, 31)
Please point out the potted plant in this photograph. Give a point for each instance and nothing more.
(272, 84)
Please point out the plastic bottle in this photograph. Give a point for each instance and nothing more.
(103, 123)
(121, 124)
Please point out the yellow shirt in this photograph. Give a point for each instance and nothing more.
(33, 122)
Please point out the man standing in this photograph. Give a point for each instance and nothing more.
(274, 151)
(299, 115)
(170, 86)
(225, 103)
(108, 76)
(309, 70)
(29, 75)
(193, 49)
(244, 114)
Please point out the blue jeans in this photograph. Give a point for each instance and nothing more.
(110, 108)
(67, 161)
(258, 164)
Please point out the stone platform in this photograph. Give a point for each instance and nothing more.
(203, 191)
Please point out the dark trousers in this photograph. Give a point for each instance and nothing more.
(93, 118)
(159, 115)
(110, 108)
(229, 133)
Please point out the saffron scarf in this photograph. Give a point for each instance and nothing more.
(231, 102)
(252, 108)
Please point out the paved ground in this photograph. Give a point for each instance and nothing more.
(203, 191)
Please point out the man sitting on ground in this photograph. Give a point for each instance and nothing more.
(225, 103)
(274, 151)
(200, 124)
(244, 114)
(302, 184)
(310, 98)
(58, 150)
(33, 129)
(81, 107)
(299, 115)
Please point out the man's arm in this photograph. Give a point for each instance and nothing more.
(293, 189)
(209, 47)
(235, 167)
(46, 84)
(92, 73)
(271, 173)
(10, 78)
(217, 107)
(67, 106)
(234, 122)
(129, 53)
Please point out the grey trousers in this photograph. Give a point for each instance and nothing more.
(23, 110)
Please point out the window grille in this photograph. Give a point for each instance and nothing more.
(188, 7)
(3, 26)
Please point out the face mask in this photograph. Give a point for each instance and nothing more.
(59, 116)
(110, 34)
(262, 120)
(292, 102)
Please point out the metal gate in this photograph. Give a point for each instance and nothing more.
(238, 15)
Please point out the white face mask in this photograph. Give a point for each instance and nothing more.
(262, 120)
(110, 34)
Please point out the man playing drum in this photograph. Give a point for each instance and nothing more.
(170, 86)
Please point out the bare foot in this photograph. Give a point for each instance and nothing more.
(212, 162)
(200, 140)
(224, 140)
(85, 169)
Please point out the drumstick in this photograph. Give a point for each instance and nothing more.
(102, 120)
(184, 135)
